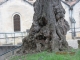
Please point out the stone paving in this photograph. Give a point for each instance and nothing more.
(4, 49)
(72, 43)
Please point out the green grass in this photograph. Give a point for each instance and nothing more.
(48, 56)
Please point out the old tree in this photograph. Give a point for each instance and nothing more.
(49, 28)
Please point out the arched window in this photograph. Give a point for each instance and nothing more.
(16, 22)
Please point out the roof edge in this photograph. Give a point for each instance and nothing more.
(28, 2)
(23, 0)
(3, 2)
(69, 5)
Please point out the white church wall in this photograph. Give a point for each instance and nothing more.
(68, 36)
(26, 11)
(12, 7)
(0, 22)
(76, 11)
(76, 15)
(67, 11)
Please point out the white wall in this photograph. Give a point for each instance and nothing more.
(76, 12)
(68, 36)
(76, 16)
(67, 12)
(12, 7)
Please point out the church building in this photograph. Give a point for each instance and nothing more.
(17, 16)
(72, 8)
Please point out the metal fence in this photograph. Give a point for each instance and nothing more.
(12, 38)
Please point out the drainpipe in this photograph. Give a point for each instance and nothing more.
(72, 22)
(71, 18)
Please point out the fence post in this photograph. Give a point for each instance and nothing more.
(6, 38)
(14, 38)
(22, 35)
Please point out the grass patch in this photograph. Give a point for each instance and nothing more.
(48, 56)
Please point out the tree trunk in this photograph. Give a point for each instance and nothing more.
(49, 28)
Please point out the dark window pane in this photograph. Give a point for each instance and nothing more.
(16, 22)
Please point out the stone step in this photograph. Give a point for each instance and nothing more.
(6, 56)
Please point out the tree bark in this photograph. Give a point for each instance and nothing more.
(49, 28)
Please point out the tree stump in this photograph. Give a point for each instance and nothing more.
(49, 28)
